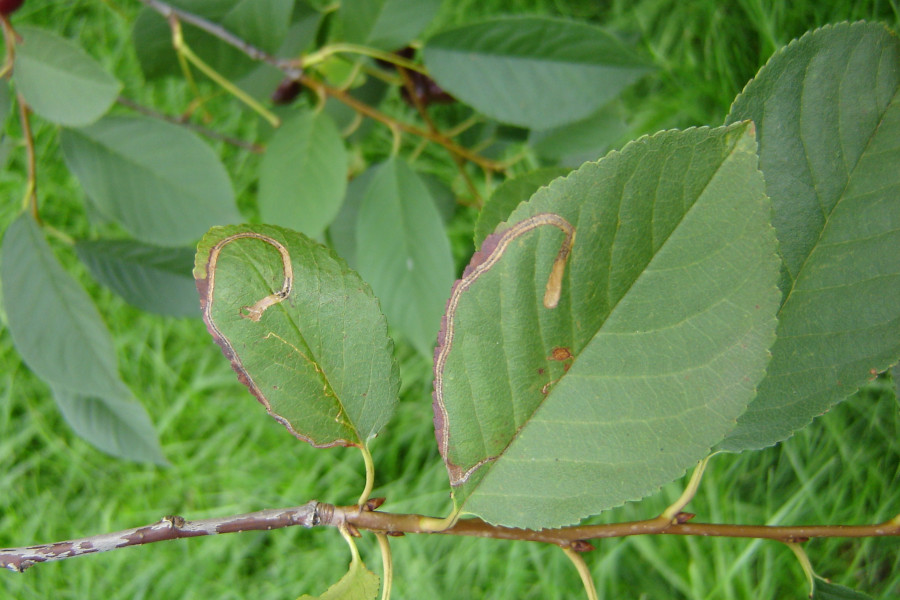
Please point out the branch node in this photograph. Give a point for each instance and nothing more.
(581, 546)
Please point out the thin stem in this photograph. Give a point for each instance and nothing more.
(387, 565)
(10, 37)
(317, 513)
(370, 475)
(183, 49)
(341, 47)
(671, 513)
(583, 571)
(798, 551)
(381, 117)
(354, 551)
(423, 113)
(29, 201)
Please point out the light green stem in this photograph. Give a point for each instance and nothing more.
(387, 565)
(689, 492)
(370, 474)
(183, 50)
(798, 551)
(326, 51)
(584, 572)
(354, 551)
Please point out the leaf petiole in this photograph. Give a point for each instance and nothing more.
(583, 571)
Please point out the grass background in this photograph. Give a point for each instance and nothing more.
(227, 457)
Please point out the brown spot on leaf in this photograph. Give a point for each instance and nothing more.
(560, 354)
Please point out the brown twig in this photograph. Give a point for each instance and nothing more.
(353, 517)
(420, 107)
(381, 117)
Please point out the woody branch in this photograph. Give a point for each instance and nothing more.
(357, 518)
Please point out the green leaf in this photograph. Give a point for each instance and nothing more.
(159, 181)
(509, 195)
(359, 583)
(828, 111)
(385, 24)
(545, 416)
(403, 252)
(59, 333)
(583, 140)
(54, 324)
(342, 231)
(263, 23)
(149, 277)
(825, 590)
(318, 359)
(534, 72)
(60, 81)
(303, 174)
(118, 426)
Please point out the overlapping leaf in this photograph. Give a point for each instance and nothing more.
(828, 111)
(60, 335)
(302, 331)
(157, 180)
(534, 72)
(403, 252)
(60, 81)
(149, 277)
(547, 415)
(303, 175)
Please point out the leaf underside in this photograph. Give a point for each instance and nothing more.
(534, 72)
(57, 330)
(546, 416)
(827, 108)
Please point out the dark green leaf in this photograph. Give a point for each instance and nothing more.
(403, 252)
(157, 180)
(60, 81)
(508, 196)
(149, 277)
(303, 175)
(60, 335)
(547, 415)
(318, 359)
(385, 24)
(831, 591)
(828, 111)
(534, 72)
(118, 426)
